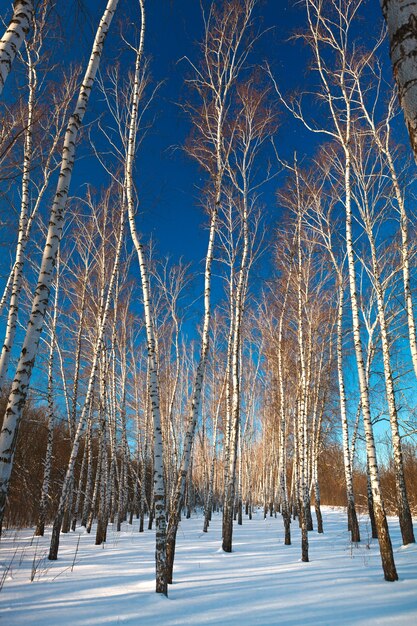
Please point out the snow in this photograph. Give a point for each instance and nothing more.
(260, 582)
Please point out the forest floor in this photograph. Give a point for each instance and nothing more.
(260, 582)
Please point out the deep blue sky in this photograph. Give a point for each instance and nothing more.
(168, 180)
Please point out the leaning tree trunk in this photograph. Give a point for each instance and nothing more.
(40, 526)
(387, 557)
(102, 320)
(404, 513)
(385, 149)
(178, 496)
(401, 18)
(20, 386)
(154, 397)
(17, 272)
(14, 36)
(352, 517)
(209, 501)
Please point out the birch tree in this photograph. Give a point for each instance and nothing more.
(253, 126)
(14, 36)
(369, 187)
(26, 362)
(401, 19)
(322, 220)
(153, 390)
(329, 29)
(224, 53)
(41, 139)
(382, 135)
(40, 527)
(98, 346)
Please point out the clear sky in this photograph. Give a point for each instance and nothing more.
(168, 180)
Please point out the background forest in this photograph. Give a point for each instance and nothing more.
(208, 269)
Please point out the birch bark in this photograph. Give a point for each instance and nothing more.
(40, 527)
(17, 273)
(404, 514)
(159, 486)
(224, 56)
(23, 374)
(14, 36)
(385, 149)
(97, 352)
(337, 38)
(401, 19)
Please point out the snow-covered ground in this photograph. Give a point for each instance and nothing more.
(261, 582)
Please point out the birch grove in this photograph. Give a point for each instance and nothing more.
(266, 366)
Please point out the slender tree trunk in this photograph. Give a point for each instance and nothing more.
(102, 317)
(93, 507)
(89, 479)
(40, 527)
(209, 503)
(387, 557)
(178, 497)
(401, 18)
(17, 398)
(14, 37)
(404, 514)
(80, 483)
(235, 371)
(16, 286)
(159, 486)
(352, 517)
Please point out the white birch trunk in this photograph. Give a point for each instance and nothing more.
(401, 18)
(384, 147)
(235, 371)
(352, 517)
(159, 486)
(40, 527)
(384, 539)
(102, 321)
(23, 374)
(304, 499)
(17, 273)
(14, 37)
(84, 467)
(89, 480)
(318, 22)
(178, 497)
(404, 514)
(209, 502)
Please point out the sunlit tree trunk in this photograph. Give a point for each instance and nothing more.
(384, 539)
(154, 397)
(404, 514)
(43, 503)
(209, 502)
(14, 36)
(352, 517)
(26, 362)
(16, 285)
(339, 93)
(224, 55)
(97, 352)
(401, 18)
(385, 149)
